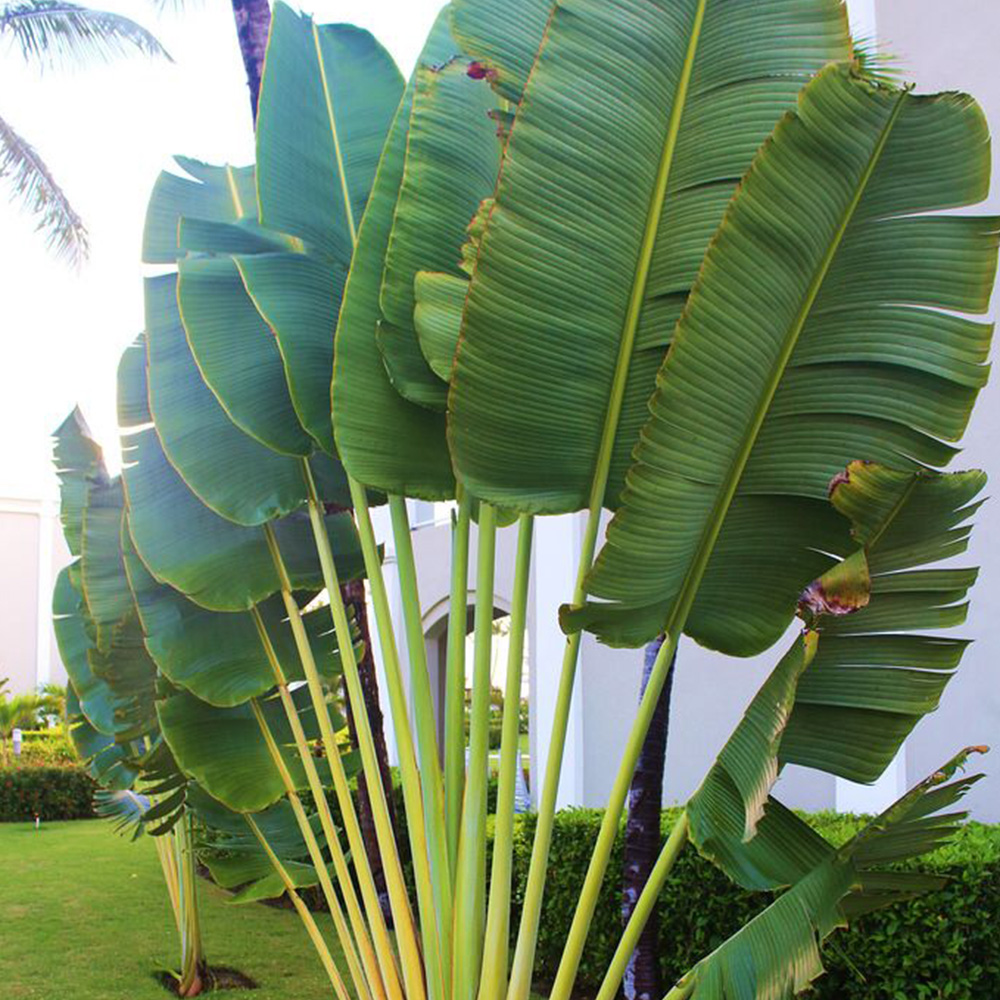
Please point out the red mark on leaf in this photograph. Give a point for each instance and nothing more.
(480, 72)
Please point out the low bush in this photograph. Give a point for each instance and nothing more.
(47, 747)
(52, 793)
(938, 947)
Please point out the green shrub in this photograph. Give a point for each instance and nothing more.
(938, 947)
(53, 793)
(46, 748)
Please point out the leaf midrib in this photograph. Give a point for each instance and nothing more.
(682, 605)
(345, 193)
(609, 431)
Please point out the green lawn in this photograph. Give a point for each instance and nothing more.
(84, 916)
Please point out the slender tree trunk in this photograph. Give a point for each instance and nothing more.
(642, 838)
(354, 597)
(253, 22)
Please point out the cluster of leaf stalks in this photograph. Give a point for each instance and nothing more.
(675, 261)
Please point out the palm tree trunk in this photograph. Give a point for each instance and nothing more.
(642, 837)
(253, 21)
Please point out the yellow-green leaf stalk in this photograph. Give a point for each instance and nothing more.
(470, 883)
(368, 956)
(412, 963)
(493, 980)
(423, 710)
(315, 855)
(192, 957)
(399, 902)
(303, 911)
(454, 701)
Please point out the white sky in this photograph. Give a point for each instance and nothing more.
(106, 131)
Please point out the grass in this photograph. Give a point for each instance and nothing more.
(84, 916)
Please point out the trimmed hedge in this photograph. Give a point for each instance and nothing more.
(53, 793)
(941, 946)
(51, 747)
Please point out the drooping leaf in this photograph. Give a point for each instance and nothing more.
(34, 185)
(220, 657)
(848, 693)
(125, 808)
(229, 471)
(776, 955)
(873, 678)
(224, 751)
(188, 546)
(615, 176)
(79, 462)
(811, 232)
(50, 31)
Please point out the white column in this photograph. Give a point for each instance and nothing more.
(557, 547)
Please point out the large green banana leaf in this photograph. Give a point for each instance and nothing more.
(219, 657)
(503, 36)
(212, 195)
(235, 857)
(224, 750)
(616, 174)
(102, 572)
(239, 357)
(327, 99)
(857, 681)
(761, 400)
(79, 463)
(235, 475)
(384, 440)
(75, 637)
(452, 159)
(776, 955)
(328, 96)
(237, 353)
(188, 546)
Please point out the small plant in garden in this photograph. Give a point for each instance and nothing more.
(678, 261)
(16, 712)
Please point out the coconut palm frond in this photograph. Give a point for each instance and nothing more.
(50, 31)
(33, 185)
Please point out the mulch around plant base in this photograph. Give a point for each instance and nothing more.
(216, 977)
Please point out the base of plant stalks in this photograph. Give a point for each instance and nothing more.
(214, 978)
